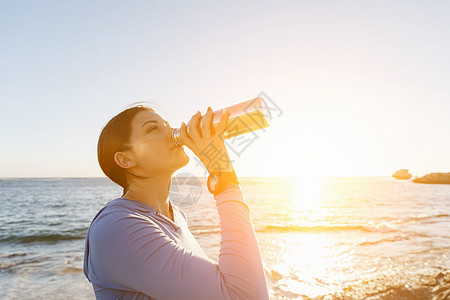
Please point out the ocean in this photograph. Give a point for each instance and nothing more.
(333, 238)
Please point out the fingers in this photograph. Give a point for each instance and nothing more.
(192, 127)
(185, 138)
(223, 123)
(206, 123)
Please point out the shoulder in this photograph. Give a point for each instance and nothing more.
(118, 217)
(112, 210)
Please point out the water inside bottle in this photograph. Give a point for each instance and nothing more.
(244, 117)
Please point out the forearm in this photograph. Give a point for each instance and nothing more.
(239, 259)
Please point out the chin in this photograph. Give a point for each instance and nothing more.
(183, 161)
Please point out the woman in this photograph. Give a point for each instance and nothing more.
(139, 245)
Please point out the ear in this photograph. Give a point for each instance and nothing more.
(124, 160)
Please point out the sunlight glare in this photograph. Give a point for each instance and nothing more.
(312, 265)
(307, 194)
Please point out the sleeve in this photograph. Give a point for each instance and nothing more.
(136, 255)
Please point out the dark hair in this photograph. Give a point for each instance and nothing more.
(114, 137)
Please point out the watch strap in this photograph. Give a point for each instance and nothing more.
(225, 180)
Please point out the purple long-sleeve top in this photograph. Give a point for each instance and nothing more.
(134, 252)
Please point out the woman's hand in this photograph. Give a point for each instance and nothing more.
(207, 142)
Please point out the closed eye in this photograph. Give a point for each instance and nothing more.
(151, 128)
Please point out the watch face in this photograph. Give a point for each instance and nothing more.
(217, 183)
(214, 182)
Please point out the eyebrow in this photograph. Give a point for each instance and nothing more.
(154, 121)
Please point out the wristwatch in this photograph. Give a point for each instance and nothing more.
(218, 180)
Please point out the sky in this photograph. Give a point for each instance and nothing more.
(362, 87)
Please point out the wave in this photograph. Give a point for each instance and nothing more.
(12, 255)
(419, 286)
(17, 260)
(204, 229)
(294, 228)
(423, 287)
(371, 243)
(325, 228)
(76, 234)
(424, 218)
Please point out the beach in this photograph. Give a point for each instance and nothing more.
(333, 238)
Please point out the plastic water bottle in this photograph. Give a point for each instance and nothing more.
(244, 117)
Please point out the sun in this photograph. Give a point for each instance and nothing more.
(308, 194)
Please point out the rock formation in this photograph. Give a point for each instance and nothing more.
(434, 178)
(402, 174)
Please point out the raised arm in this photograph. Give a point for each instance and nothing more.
(240, 258)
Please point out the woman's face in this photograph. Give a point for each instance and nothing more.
(152, 147)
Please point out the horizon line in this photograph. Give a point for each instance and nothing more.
(85, 177)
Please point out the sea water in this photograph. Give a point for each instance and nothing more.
(334, 238)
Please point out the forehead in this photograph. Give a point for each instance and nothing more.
(144, 116)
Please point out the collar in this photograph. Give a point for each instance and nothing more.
(148, 209)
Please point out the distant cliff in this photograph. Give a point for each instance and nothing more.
(434, 178)
(402, 174)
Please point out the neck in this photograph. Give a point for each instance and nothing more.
(153, 191)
